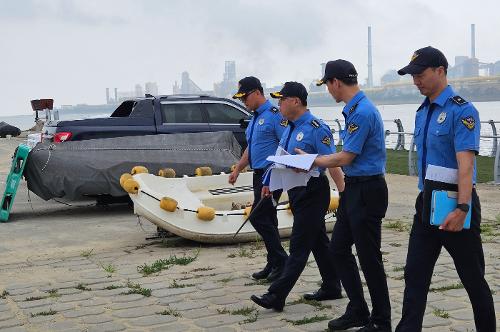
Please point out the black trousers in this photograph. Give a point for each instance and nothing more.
(265, 222)
(467, 252)
(359, 219)
(309, 205)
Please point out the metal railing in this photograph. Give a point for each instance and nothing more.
(400, 144)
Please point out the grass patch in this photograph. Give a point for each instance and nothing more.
(243, 252)
(53, 293)
(169, 312)
(174, 284)
(87, 253)
(4, 294)
(398, 268)
(441, 313)
(208, 268)
(137, 289)
(226, 280)
(35, 298)
(397, 225)
(110, 287)
(458, 285)
(250, 312)
(164, 264)
(44, 313)
(307, 320)
(110, 268)
(83, 287)
(316, 304)
(397, 163)
(258, 282)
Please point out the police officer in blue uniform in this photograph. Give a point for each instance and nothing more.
(263, 135)
(309, 203)
(447, 131)
(363, 203)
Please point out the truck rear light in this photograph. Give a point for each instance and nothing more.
(62, 137)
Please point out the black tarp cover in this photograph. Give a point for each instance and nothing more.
(93, 167)
(7, 129)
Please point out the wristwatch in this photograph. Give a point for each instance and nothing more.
(464, 207)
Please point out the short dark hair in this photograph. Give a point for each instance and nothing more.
(349, 81)
(261, 90)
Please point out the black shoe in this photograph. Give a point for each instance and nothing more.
(322, 295)
(263, 274)
(269, 301)
(346, 321)
(275, 273)
(372, 327)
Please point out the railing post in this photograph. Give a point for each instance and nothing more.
(400, 145)
(496, 171)
(412, 170)
(495, 141)
(340, 130)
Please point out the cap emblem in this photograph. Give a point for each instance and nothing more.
(414, 56)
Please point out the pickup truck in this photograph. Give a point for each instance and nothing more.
(157, 115)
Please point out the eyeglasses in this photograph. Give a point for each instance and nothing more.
(246, 95)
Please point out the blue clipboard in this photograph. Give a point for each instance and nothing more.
(443, 202)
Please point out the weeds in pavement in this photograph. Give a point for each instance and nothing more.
(4, 294)
(458, 285)
(110, 268)
(137, 289)
(35, 298)
(441, 313)
(258, 282)
(174, 284)
(397, 225)
(307, 320)
(53, 293)
(316, 304)
(164, 264)
(169, 312)
(83, 287)
(44, 313)
(394, 244)
(87, 253)
(199, 269)
(398, 268)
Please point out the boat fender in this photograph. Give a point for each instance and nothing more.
(205, 213)
(124, 177)
(247, 211)
(168, 204)
(131, 186)
(203, 171)
(139, 169)
(167, 173)
(334, 203)
(242, 171)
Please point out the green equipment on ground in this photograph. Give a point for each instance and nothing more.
(13, 180)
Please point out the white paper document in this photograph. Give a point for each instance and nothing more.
(441, 174)
(301, 161)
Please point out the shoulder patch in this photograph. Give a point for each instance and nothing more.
(315, 123)
(459, 100)
(274, 109)
(352, 127)
(284, 122)
(469, 122)
(326, 140)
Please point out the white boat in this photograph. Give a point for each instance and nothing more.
(216, 198)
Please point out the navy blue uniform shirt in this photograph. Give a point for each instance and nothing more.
(442, 128)
(309, 134)
(364, 136)
(263, 134)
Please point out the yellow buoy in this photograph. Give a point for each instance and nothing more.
(139, 169)
(131, 186)
(124, 177)
(168, 204)
(242, 171)
(205, 213)
(247, 211)
(203, 171)
(167, 172)
(334, 203)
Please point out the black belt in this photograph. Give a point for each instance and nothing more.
(357, 179)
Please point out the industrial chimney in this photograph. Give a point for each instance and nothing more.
(370, 71)
(116, 95)
(107, 95)
(473, 41)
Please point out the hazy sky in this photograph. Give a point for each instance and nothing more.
(71, 50)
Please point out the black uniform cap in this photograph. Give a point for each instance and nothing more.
(292, 89)
(427, 57)
(339, 69)
(246, 85)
